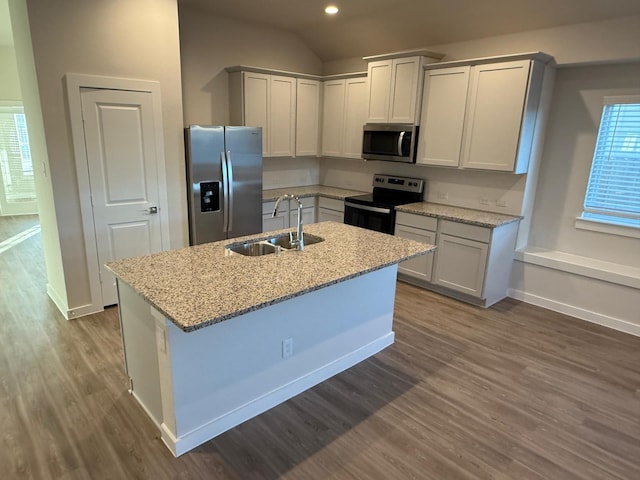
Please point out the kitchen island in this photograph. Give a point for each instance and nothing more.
(212, 337)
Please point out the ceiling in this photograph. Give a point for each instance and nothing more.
(370, 27)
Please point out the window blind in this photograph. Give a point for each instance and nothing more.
(613, 192)
(15, 156)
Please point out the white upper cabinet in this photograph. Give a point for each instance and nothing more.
(379, 74)
(282, 115)
(443, 107)
(269, 101)
(481, 116)
(495, 117)
(333, 118)
(393, 90)
(344, 115)
(355, 113)
(308, 104)
(256, 99)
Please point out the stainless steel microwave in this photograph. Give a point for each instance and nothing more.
(391, 142)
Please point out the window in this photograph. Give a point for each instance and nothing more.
(16, 168)
(613, 192)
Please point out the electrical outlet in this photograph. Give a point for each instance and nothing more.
(287, 347)
(501, 203)
(484, 201)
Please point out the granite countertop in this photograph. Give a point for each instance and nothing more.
(458, 214)
(205, 284)
(309, 191)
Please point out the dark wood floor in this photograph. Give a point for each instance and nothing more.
(512, 392)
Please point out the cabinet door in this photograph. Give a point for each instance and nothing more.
(355, 116)
(379, 74)
(419, 267)
(256, 105)
(495, 115)
(307, 117)
(405, 77)
(333, 117)
(460, 264)
(308, 217)
(443, 108)
(328, 215)
(282, 112)
(269, 223)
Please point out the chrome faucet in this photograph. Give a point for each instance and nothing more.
(299, 241)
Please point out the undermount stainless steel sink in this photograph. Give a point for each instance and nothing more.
(253, 249)
(271, 245)
(284, 240)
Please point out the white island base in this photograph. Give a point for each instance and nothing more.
(197, 385)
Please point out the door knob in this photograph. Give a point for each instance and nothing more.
(153, 210)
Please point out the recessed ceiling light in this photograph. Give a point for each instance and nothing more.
(331, 10)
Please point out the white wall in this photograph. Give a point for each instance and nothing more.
(9, 80)
(591, 275)
(210, 43)
(135, 39)
(568, 151)
(25, 63)
(462, 188)
(613, 40)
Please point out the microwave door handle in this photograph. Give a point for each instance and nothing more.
(400, 139)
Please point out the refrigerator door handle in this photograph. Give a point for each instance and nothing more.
(225, 192)
(230, 191)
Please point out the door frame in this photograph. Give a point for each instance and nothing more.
(73, 84)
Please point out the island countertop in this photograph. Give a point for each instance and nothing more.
(205, 284)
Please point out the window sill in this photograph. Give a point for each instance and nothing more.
(583, 266)
(604, 227)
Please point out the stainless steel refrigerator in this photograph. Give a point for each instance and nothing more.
(224, 182)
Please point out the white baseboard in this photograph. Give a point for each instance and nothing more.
(582, 314)
(255, 407)
(67, 313)
(58, 301)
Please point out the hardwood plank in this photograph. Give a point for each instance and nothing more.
(514, 391)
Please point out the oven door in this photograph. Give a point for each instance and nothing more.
(380, 219)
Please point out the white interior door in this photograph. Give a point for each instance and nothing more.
(122, 161)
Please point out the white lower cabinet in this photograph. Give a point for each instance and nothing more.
(287, 216)
(461, 263)
(330, 209)
(420, 229)
(471, 262)
(269, 222)
(308, 214)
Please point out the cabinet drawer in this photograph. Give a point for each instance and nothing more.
(464, 230)
(267, 207)
(417, 221)
(331, 203)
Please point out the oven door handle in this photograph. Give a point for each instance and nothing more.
(367, 208)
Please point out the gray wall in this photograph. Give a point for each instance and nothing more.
(134, 39)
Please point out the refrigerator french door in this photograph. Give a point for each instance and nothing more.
(224, 182)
